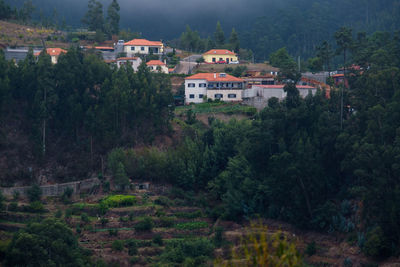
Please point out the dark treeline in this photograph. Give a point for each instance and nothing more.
(81, 106)
(293, 162)
(262, 26)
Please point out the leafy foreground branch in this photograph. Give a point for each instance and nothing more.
(258, 247)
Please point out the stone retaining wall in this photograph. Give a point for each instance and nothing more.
(56, 189)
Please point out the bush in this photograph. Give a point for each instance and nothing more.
(118, 201)
(191, 225)
(34, 193)
(13, 206)
(103, 221)
(144, 225)
(311, 249)
(163, 201)
(132, 247)
(183, 252)
(85, 218)
(375, 243)
(166, 222)
(66, 196)
(36, 207)
(218, 237)
(58, 213)
(68, 213)
(112, 232)
(117, 245)
(134, 260)
(157, 239)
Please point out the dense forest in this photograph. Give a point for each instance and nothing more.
(79, 106)
(296, 161)
(299, 25)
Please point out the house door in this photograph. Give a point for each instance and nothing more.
(227, 60)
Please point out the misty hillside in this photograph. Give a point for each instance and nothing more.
(264, 26)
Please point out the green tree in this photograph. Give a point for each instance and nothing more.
(113, 17)
(26, 11)
(94, 16)
(344, 41)
(121, 180)
(234, 41)
(49, 243)
(219, 36)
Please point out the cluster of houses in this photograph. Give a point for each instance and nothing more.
(254, 89)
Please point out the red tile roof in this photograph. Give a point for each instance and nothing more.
(155, 63)
(219, 52)
(280, 86)
(143, 42)
(53, 51)
(214, 77)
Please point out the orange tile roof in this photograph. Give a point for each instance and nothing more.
(143, 42)
(155, 63)
(53, 51)
(214, 77)
(281, 86)
(219, 52)
(127, 58)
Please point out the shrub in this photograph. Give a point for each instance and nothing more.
(103, 221)
(34, 193)
(144, 225)
(134, 260)
(112, 232)
(66, 196)
(191, 225)
(16, 195)
(347, 262)
(85, 218)
(218, 237)
(13, 206)
(163, 201)
(36, 207)
(68, 213)
(189, 215)
(311, 249)
(157, 239)
(375, 243)
(118, 201)
(58, 213)
(166, 222)
(181, 252)
(132, 247)
(117, 245)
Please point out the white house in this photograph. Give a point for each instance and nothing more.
(157, 65)
(213, 86)
(54, 53)
(143, 46)
(133, 61)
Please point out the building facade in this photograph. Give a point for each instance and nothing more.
(218, 55)
(133, 61)
(157, 65)
(143, 47)
(222, 86)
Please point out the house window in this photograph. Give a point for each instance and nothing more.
(210, 85)
(191, 85)
(152, 68)
(213, 59)
(132, 48)
(201, 96)
(191, 96)
(142, 48)
(202, 85)
(231, 95)
(218, 96)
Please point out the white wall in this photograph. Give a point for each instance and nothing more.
(138, 50)
(225, 95)
(196, 91)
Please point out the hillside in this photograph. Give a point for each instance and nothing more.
(12, 34)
